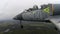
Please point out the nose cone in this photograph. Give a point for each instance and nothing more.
(18, 17)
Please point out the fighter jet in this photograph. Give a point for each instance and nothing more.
(46, 15)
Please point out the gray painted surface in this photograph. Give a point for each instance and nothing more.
(55, 20)
(56, 9)
(34, 15)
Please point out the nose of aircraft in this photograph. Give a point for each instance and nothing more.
(18, 17)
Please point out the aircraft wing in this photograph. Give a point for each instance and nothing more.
(56, 21)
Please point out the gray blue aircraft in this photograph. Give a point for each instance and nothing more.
(49, 13)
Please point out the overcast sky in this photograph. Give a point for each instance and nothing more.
(10, 8)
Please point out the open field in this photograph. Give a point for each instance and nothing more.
(22, 31)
